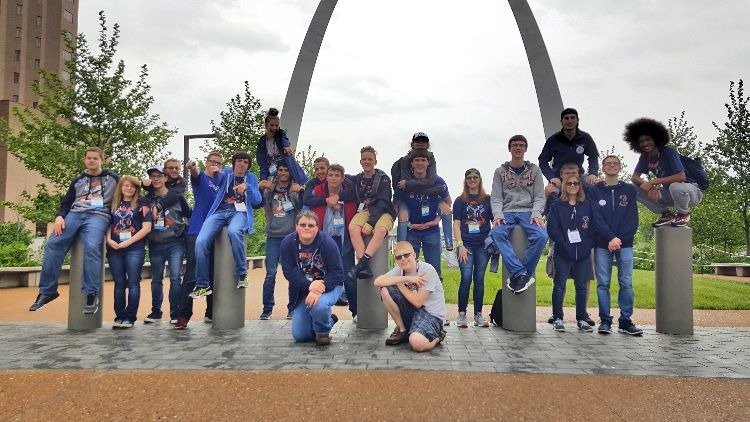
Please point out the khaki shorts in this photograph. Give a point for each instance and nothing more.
(385, 221)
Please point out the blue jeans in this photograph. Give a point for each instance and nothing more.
(92, 229)
(475, 267)
(188, 281)
(347, 260)
(431, 245)
(402, 228)
(126, 269)
(624, 260)
(580, 270)
(160, 253)
(537, 239)
(316, 320)
(273, 249)
(237, 227)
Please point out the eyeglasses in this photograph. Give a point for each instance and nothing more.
(214, 162)
(572, 184)
(402, 256)
(612, 164)
(472, 177)
(518, 145)
(172, 168)
(307, 225)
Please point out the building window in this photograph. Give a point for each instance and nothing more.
(38, 21)
(64, 75)
(15, 98)
(37, 63)
(19, 9)
(68, 16)
(38, 42)
(16, 77)
(41, 229)
(18, 32)
(35, 104)
(66, 55)
(18, 55)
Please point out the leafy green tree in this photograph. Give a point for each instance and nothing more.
(683, 137)
(93, 105)
(731, 152)
(624, 173)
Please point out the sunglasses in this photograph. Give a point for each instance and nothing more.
(402, 256)
(307, 225)
(572, 183)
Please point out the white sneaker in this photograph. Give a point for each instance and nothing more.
(451, 259)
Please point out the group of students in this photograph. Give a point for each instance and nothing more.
(325, 231)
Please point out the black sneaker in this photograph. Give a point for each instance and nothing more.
(92, 304)
(667, 217)
(551, 320)
(265, 315)
(242, 282)
(629, 329)
(605, 328)
(527, 281)
(590, 321)
(42, 300)
(365, 271)
(335, 319)
(342, 302)
(681, 220)
(152, 318)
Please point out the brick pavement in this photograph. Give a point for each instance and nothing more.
(267, 345)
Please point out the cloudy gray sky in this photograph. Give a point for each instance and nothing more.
(457, 71)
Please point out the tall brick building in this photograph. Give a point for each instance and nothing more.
(30, 39)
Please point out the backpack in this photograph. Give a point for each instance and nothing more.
(496, 314)
(695, 171)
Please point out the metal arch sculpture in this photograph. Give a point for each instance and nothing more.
(545, 83)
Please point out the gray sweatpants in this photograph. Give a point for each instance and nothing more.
(682, 196)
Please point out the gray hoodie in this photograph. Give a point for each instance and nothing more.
(513, 192)
(280, 221)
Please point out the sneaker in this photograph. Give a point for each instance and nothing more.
(397, 337)
(558, 325)
(126, 324)
(152, 318)
(42, 300)
(667, 217)
(322, 339)
(242, 282)
(200, 292)
(590, 321)
(181, 324)
(335, 319)
(681, 220)
(364, 271)
(518, 283)
(441, 336)
(461, 321)
(117, 323)
(208, 320)
(92, 304)
(265, 316)
(341, 302)
(605, 328)
(451, 259)
(584, 326)
(289, 315)
(630, 329)
(551, 320)
(509, 283)
(479, 321)
(527, 281)
(446, 322)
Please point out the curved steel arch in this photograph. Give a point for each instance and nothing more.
(545, 83)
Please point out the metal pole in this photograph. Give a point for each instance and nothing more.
(519, 311)
(371, 313)
(76, 300)
(674, 280)
(229, 301)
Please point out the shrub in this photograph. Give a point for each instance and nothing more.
(15, 233)
(14, 255)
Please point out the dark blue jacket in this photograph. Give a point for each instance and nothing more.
(584, 217)
(619, 210)
(331, 258)
(252, 194)
(560, 150)
(261, 156)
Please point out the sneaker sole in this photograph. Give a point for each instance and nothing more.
(462, 326)
(485, 325)
(621, 331)
(589, 330)
(667, 223)
(559, 330)
(604, 332)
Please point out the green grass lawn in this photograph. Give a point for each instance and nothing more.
(707, 293)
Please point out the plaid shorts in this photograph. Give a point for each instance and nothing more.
(416, 320)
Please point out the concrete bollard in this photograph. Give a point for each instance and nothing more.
(229, 301)
(519, 311)
(674, 280)
(76, 300)
(371, 313)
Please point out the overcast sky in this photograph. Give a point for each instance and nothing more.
(455, 70)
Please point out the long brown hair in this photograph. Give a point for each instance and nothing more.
(465, 193)
(580, 196)
(118, 192)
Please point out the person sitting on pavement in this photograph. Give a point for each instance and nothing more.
(413, 296)
(311, 261)
(671, 188)
(518, 199)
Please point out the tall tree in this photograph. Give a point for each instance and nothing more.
(94, 104)
(731, 152)
(683, 137)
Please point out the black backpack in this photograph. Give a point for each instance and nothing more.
(694, 171)
(496, 314)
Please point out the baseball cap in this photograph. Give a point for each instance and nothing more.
(152, 169)
(420, 135)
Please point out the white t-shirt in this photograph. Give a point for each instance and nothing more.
(435, 303)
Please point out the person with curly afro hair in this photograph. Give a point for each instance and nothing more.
(671, 187)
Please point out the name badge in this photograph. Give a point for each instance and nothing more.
(574, 236)
(338, 222)
(272, 169)
(240, 207)
(124, 236)
(425, 210)
(97, 202)
(309, 277)
(361, 207)
(473, 227)
(287, 205)
(159, 224)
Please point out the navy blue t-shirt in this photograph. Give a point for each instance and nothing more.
(126, 222)
(475, 218)
(424, 208)
(666, 163)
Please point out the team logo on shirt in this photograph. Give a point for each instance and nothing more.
(311, 264)
(124, 217)
(475, 212)
(623, 200)
(585, 222)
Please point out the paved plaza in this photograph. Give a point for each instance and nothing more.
(267, 345)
